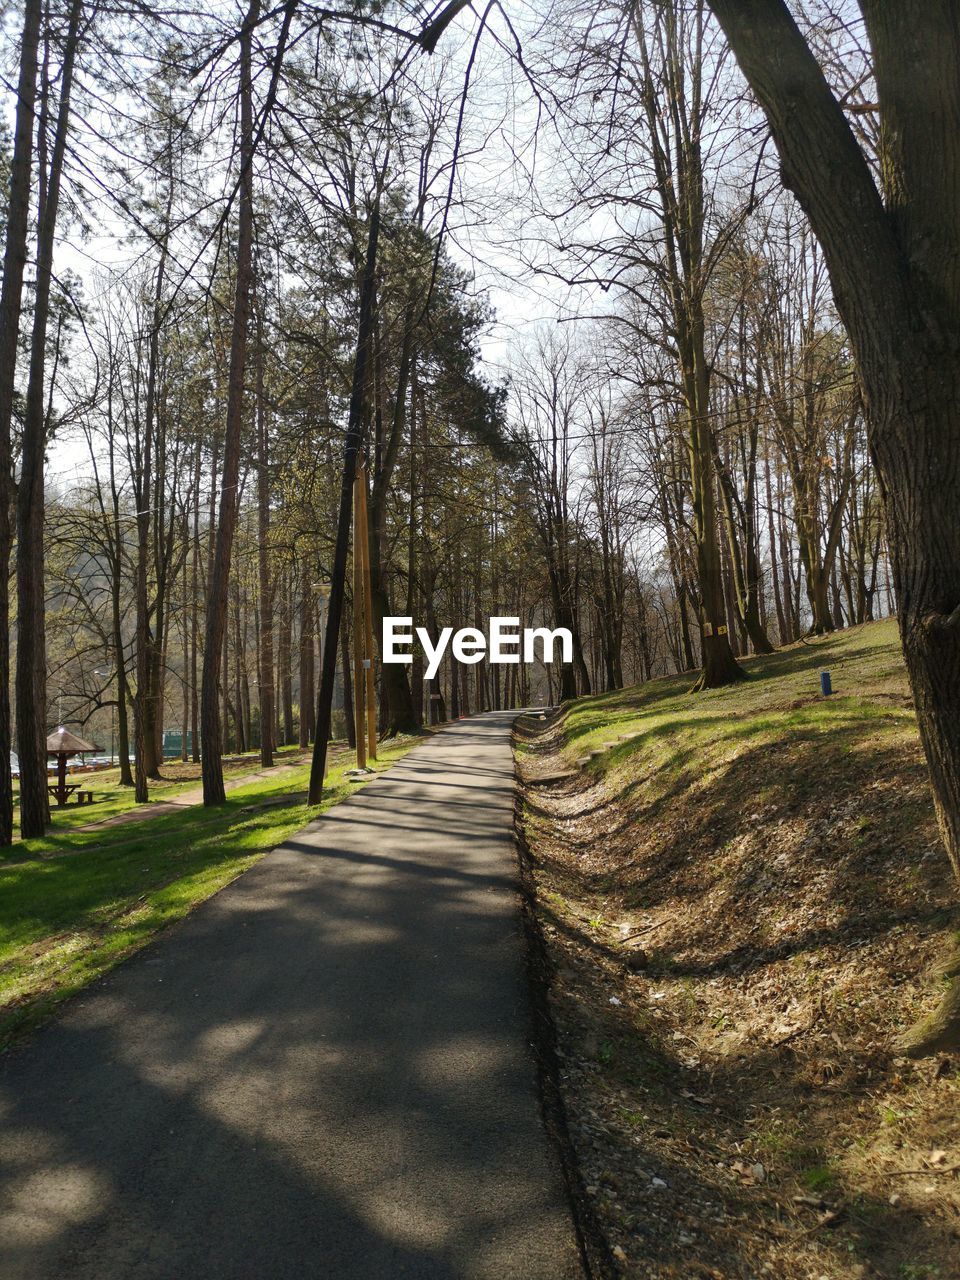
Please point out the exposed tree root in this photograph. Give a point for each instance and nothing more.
(948, 966)
(938, 1033)
(732, 674)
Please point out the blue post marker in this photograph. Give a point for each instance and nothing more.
(826, 688)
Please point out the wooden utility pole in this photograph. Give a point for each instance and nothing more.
(359, 684)
(338, 576)
(362, 536)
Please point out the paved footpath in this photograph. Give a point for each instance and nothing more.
(322, 1072)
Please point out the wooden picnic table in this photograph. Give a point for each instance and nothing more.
(62, 791)
(62, 744)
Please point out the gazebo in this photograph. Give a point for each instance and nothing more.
(63, 743)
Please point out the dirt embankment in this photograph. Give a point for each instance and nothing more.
(734, 948)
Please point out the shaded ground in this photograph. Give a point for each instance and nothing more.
(324, 1071)
(742, 901)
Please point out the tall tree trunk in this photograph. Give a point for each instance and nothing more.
(240, 669)
(264, 579)
(11, 300)
(211, 726)
(719, 666)
(778, 601)
(307, 654)
(31, 689)
(567, 677)
(742, 547)
(116, 607)
(149, 520)
(123, 730)
(284, 645)
(396, 686)
(225, 683)
(244, 674)
(351, 450)
(185, 658)
(349, 722)
(414, 594)
(195, 614)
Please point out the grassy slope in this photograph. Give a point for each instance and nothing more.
(775, 856)
(75, 903)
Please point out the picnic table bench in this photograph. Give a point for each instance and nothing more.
(62, 792)
(62, 744)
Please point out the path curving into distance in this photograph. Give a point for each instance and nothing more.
(324, 1071)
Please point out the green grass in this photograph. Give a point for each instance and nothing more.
(819, 1178)
(677, 737)
(113, 799)
(75, 903)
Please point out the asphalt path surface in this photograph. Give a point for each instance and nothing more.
(324, 1071)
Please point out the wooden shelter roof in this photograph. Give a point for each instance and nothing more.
(63, 742)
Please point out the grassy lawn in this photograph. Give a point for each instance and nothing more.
(75, 903)
(178, 778)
